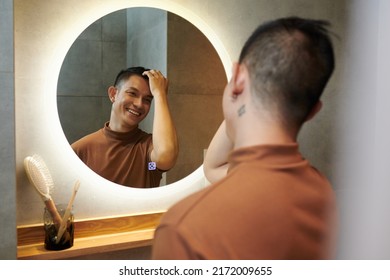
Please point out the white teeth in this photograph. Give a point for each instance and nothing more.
(133, 112)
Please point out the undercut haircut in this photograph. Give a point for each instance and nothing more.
(125, 74)
(290, 61)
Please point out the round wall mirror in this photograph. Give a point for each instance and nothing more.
(156, 39)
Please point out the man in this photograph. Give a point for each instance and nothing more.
(120, 151)
(266, 202)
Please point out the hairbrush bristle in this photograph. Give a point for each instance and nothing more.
(39, 175)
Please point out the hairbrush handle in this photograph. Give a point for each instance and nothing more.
(50, 206)
(65, 218)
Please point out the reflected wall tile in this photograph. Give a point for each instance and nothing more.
(193, 60)
(195, 117)
(114, 27)
(88, 70)
(82, 115)
(92, 32)
(145, 17)
(81, 70)
(113, 60)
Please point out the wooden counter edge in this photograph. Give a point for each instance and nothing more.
(91, 237)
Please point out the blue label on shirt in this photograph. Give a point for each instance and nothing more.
(152, 165)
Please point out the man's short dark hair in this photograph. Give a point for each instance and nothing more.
(290, 61)
(125, 74)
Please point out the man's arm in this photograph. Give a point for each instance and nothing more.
(215, 164)
(165, 143)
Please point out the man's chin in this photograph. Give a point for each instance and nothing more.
(132, 122)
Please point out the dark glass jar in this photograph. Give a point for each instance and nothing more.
(51, 230)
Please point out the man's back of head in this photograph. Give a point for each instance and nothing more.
(290, 61)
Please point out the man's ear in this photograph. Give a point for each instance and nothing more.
(239, 76)
(111, 93)
(316, 108)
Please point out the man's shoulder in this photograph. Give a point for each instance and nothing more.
(88, 139)
(179, 211)
(192, 210)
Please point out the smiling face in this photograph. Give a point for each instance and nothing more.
(131, 103)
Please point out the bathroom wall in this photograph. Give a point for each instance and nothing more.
(362, 159)
(7, 134)
(231, 20)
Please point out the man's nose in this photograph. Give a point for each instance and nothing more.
(137, 102)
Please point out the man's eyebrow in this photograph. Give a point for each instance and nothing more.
(133, 89)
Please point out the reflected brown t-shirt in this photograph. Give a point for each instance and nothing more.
(123, 158)
(271, 205)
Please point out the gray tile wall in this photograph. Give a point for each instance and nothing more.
(89, 68)
(197, 80)
(8, 238)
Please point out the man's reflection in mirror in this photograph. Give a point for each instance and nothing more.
(120, 151)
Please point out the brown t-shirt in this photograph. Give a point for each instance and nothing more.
(123, 158)
(271, 205)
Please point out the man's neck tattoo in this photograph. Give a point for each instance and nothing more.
(241, 111)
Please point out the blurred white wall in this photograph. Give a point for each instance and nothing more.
(363, 163)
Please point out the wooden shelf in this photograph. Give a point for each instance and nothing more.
(91, 237)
